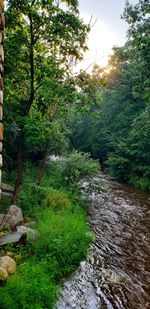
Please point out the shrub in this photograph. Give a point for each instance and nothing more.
(56, 199)
(118, 167)
(78, 166)
(31, 196)
(141, 182)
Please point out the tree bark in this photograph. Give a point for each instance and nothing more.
(25, 113)
(43, 164)
(19, 168)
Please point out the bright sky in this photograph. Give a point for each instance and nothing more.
(109, 29)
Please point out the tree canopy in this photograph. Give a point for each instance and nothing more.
(120, 136)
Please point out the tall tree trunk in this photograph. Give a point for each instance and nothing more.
(19, 168)
(43, 164)
(25, 113)
(2, 22)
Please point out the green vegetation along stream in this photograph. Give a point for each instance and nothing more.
(116, 273)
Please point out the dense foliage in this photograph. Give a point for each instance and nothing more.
(118, 131)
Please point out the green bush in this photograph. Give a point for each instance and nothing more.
(118, 167)
(78, 166)
(58, 175)
(31, 195)
(141, 182)
(56, 199)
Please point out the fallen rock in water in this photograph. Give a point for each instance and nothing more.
(7, 265)
(11, 218)
(13, 238)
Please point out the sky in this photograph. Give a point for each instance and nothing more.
(108, 29)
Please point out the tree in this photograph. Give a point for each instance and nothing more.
(42, 40)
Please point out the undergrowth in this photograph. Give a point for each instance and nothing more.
(62, 243)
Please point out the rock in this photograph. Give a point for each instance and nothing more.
(3, 273)
(25, 230)
(13, 217)
(7, 190)
(15, 212)
(23, 233)
(6, 187)
(12, 238)
(7, 263)
(5, 221)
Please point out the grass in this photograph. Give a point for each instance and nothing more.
(63, 242)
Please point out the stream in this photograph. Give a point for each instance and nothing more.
(116, 272)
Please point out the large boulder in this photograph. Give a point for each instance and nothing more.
(7, 267)
(11, 218)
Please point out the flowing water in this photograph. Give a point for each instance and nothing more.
(116, 274)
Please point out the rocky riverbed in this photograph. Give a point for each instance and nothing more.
(116, 273)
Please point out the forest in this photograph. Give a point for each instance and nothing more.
(49, 110)
(91, 120)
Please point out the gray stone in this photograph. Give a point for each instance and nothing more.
(16, 212)
(25, 230)
(12, 238)
(6, 221)
(7, 187)
(11, 218)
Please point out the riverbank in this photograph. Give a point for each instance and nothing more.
(60, 219)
